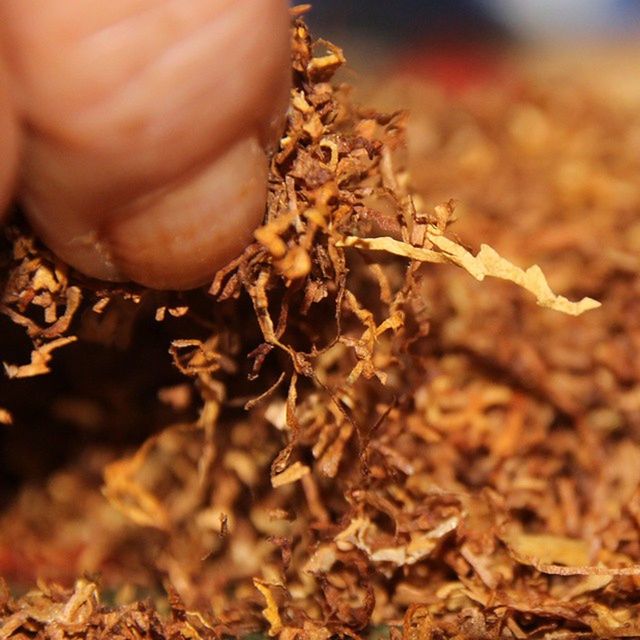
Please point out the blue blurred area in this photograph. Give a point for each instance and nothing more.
(556, 19)
(408, 21)
(402, 20)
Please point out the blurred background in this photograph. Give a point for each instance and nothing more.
(404, 28)
(403, 21)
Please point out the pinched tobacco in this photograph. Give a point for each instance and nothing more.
(379, 440)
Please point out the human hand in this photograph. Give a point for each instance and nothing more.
(132, 131)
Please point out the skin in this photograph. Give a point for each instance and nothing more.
(133, 132)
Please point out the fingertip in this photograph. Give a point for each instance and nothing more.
(179, 238)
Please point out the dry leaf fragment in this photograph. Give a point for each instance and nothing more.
(361, 530)
(548, 549)
(40, 358)
(178, 312)
(73, 298)
(101, 304)
(5, 416)
(588, 584)
(129, 496)
(322, 560)
(611, 623)
(488, 262)
(291, 474)
(585, 570)
(323, 67)
(271, 613)
(558, 555)
(295, 264)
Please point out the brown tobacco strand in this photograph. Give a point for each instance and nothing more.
(347, 430)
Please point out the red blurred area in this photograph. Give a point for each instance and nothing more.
(456, 67)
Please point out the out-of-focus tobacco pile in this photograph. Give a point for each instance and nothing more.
(353, 435)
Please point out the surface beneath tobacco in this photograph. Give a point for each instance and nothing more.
(353, 431)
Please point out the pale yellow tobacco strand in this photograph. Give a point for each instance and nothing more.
(487, 263)
(395, 247)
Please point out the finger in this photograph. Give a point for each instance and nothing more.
(175, 227)
(8, 143)
(139, 95)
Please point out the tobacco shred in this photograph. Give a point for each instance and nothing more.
(380, 440)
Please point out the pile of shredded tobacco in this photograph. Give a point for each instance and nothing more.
(372, 423)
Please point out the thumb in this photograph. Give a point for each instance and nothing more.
(143, 122)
